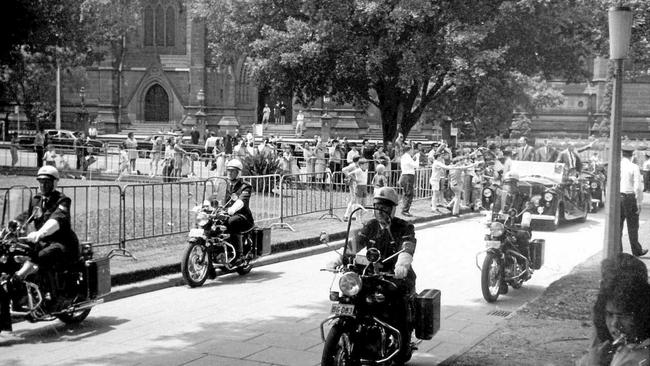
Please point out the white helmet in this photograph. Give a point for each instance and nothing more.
(235, 164)
(48, 171)
(386, 195)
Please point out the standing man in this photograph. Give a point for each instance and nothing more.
(545, 153)
(526, 151)
(195, 135)
(407, 180)
(39, 147)
(266, 114)
(300, 124)
(352, 153)
(631, 200)
(210, 145)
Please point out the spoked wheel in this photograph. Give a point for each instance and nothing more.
(74, 317)
(491, 278)
(195, 264)
(337, 350)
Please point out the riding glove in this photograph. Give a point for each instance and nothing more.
(334, 263)
(402, 265)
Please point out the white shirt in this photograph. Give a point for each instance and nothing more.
(211, 142)
(408, 164)
(631, 181)
(351, 154)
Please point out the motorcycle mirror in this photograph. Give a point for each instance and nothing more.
(373, 255)
(324, 237)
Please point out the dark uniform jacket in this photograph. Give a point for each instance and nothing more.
(243, 190)
(400, 236)
(55, 206)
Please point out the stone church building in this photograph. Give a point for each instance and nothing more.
(164, 74)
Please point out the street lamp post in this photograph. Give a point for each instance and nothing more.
(200, 114)
(620, 29)
(326, 119)
(83, 114)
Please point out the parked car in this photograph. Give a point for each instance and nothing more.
(555, 195)
(63, 139)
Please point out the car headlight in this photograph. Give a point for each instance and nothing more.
(540, 210)
(487, 192)
(548, 196)
(202, 219)
(497, 229)
(594, 185)
(350, 284)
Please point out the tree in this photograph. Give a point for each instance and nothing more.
(401, 56)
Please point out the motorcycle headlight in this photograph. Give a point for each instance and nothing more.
(202, 219)
(540, 210)
(497, 229)
(548, 196)
(594, 185)
(487, 192)
(350, 284)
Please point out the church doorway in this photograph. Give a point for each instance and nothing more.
(156, 105)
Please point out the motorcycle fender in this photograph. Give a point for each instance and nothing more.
(196, 240)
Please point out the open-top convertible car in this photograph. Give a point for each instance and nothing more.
(555, 195)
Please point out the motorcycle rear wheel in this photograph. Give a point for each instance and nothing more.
(491, 277)
(74, 317)
(337, 350)
(195, 264)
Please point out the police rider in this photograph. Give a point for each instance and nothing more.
(391, 235)
(511, 197)
(237, 199)
(56, 243)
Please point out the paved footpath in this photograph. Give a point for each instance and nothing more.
(272, 315)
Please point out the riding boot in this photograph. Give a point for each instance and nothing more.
(237, 243)
(5, 314)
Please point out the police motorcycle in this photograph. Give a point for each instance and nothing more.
(595, 177)
(210, 250)
(507, 261)
(67, 294)
(363, 329)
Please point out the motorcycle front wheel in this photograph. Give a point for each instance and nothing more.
(337, 350)
(195, 264)
(74, 317)
(491, 277)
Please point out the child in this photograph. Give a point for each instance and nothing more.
(125, 162)
(50, 156)
(379, 180)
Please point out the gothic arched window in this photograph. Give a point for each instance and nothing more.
(170, 27)
(160, 26)
(148, 26)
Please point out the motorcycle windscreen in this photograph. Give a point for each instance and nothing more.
(360, 218)
(15, 201)
(215, 190)
(504, 201)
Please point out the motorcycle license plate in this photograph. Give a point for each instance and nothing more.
(342, 309)
(492, 244)
(196, 233)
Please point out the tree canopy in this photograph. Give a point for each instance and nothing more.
(401, 56)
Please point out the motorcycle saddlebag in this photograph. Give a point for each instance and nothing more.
(537, 253)
(262, 240)
(427, 314)
(98, 274)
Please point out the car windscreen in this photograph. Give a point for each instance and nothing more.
(551, 171)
